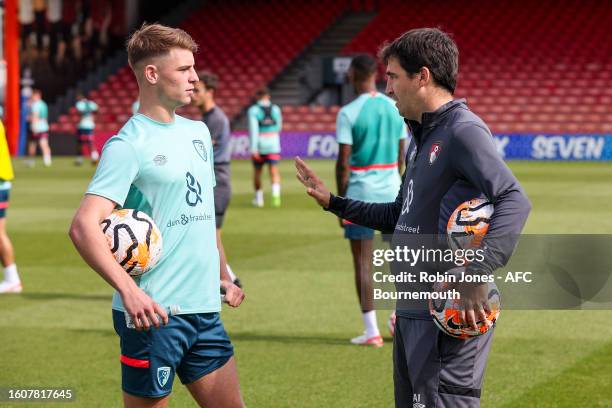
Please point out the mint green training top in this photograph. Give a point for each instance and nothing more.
(166, 170)
(373, 127)
(264, 139)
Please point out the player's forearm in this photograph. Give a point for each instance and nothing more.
(342, 177)
(92, 245)
(223, 273)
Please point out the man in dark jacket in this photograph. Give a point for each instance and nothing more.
(451, 159)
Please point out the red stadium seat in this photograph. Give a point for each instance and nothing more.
(520, 53)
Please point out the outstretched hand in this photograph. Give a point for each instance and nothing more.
(314, 186)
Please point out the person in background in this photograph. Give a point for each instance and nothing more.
(265, 124)
(85, 130)
(11, 283)
(219, 127)
(39, 112)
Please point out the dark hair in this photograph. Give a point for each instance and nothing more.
(262, 92)
(426, 47)
(210, 80)
(363, 66)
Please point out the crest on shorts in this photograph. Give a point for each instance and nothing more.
(163, 373)
(434, 152)
(200, 149)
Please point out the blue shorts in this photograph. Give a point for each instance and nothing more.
(85, 135)
(191, 345)
(270, 158)
(357, 232)
(4, 199)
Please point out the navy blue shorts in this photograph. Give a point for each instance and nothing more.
(191, 345)
(4, 200)
(270, 158)
(85, 135)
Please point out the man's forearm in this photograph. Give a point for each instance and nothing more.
(379, 216)
(342, 176)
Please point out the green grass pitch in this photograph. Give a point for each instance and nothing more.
(291, 334)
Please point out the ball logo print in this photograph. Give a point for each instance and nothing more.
(134, 240)
(194, 190)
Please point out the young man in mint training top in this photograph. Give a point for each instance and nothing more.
(162, 164)
(265, 124)
(371, 136)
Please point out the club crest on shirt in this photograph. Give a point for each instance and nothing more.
(200, 149)
(434, 152)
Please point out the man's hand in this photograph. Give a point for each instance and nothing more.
(142, 309)
(474, 301)
(314, 186)
(233, 294)
(256, 156)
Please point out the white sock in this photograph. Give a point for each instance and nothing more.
(275, 189)
(47, 160)
(259, 196)
(230, 273)
(95, 155)
(10, 274)
(369, 321)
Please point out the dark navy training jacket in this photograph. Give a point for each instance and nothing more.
(451, 158)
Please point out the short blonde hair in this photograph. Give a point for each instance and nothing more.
(152, 40)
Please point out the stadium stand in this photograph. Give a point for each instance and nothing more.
(246, 46)
(525, 66)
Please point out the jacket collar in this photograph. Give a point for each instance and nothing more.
(431, 119)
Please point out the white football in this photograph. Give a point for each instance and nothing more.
(134, 240)
(469, 223)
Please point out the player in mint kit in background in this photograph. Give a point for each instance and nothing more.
(39, 125)
(265, 124)
(371, 136)
(85, 130)
(162, 164)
